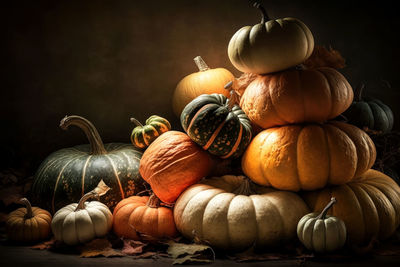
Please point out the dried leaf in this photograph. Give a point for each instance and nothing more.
(146, 255)
(133, 247)
(323, 57)
(101, 188)
(240, 84)
(190, 253)
(100, 247)
(44, 245)
(10, 195)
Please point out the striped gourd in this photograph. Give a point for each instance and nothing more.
(143, 135)
(67, 174)
(217, 124)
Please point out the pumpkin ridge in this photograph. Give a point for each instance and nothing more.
(255, 215)
(330, 87)
(197, 114)
(48, 166)
(237, 143)
(84, 174)
(222, 191)
(277, 212)
(309, 49)
(359, 204)
(356, 149)
(116, 175)
(273, 106)
(214, 135)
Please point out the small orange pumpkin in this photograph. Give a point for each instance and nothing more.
(137, 215)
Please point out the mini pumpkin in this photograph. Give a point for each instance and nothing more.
(308, 156)
(205, 81)
(271, 45)
(369, 206)
(296, 96)
(137, 215)
(370, 113)
(217, 124)
(29, 224)
(232, 214)
(321, 232)
(143, 136)
(82, 222)
(172, 163)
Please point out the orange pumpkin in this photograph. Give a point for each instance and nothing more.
(296, 96)
(205, 81)
(308, 156)
(369, 206)
(136, 215)
(172, 163)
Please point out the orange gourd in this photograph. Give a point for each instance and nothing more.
(368, 205)
(172, 163)
(137, 215)
(296, 96)
(308, 156)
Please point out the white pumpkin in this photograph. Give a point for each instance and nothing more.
(81, 222)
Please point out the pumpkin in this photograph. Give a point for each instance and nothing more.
(271, 45)
(321, 232)
(368, 205)
(137, 215)
(65, 175)
(217, 124)
(142, 136)
(308, 156)
(29, 224)
(172, 163)
(369, 113)
(232, 214)
(82, 222)
(205, 81)
(296, 96)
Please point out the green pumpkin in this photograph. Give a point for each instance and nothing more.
(369, 113)
(67, 174)
(143, 136)
(217, 124)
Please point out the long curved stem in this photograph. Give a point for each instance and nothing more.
(81, 204)
(29, 213)
(264, 14)
(136, 122)
(322, 215)
(91, 132)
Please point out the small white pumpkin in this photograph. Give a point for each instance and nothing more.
(321, 232)
(82, 222)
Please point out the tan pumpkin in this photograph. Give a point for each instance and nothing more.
(296, 96)
(232, 214)
(205, 81)
(369, 206)
(137, 215)
(308, 156)
(172, 163)
(29, 224)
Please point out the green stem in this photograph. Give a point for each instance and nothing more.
(200, 63)
(264, 14)
(136, 122)
(91, 132)
(29, 213)
(322, 215)
(81, 204)
(234, 97)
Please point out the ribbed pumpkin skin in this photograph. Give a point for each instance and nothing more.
(369, 206)
(133, 217)
(308, 156)
(67, 174)
(296, 96)
(213, 211)
(212, 125)
(143, 136)
(271, 46)
(172, 163)
(370, 113)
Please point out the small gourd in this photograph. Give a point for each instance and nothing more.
(82, 222)
(322, 233)
(28, 224)
(143, 135)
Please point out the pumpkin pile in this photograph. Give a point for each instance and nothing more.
(276, 121)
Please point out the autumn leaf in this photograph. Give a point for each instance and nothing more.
(133, 247)
(240, 84)
(99, 247)
(44, 245)
(101, 188)
(323, 57)
(190, 253)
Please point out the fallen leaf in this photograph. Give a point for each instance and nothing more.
(44, 245)
(146, 255)
(190, 253)
(99, 248)
(133, 247)
(101, 188)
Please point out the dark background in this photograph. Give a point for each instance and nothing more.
(110, 60)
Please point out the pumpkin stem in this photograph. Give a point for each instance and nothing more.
(153, 202)
(91, 132)
(136, 122)
(234, 96)
(29, 213)
(200, 63)
(244, 188)
(81, 204)
(264, 14)
(358, 92)
(322, 215)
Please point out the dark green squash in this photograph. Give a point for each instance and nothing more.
(67, 174)
(143, 135)
(217, 124)
(369, 113)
